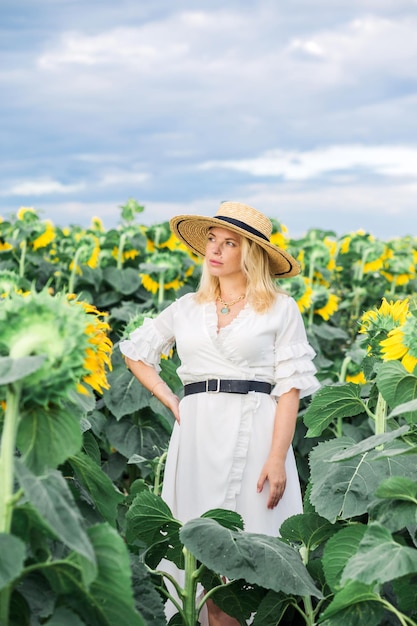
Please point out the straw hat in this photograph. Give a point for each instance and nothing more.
(241, 219)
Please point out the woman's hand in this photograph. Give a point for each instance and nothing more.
(168, 398)
(274, 472)
(174, 405)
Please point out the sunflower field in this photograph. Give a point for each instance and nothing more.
(84, 534)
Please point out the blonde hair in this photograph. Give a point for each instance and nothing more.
(261, 287)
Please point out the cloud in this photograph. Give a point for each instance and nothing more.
(123, 178)
(41, 187)
(48, 186)
(390, 161)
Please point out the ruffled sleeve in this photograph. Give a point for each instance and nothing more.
(154, 338)
(294, 356)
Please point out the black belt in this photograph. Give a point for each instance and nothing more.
(216, 385)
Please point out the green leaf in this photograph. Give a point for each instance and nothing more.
(346, 489)
(12, 370)
(396, 516)
(150, 520)
(226, 518)
(109, 598)
(13, 552)
(99, 486)
(309, 529)
(331, 403)
(272, 609)
(126, 395)
(125, 281)
(401, 409)
(129, 210)
(258, 559)
(397, 386)
(46, 438)
(147, 599)
(328, 332)
(379, 558)
(64, 617)
(337, 552)
(354, 605)
(237, 599)
(398, 488)
(147, 439)
(370, 443)
(405, 590)
(52, 498)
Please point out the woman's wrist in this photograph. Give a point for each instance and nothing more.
(160, 382)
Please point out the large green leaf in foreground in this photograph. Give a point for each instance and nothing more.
(258, 559)
(54, 502)
(330, 404)
(346, 488)
(380, 558)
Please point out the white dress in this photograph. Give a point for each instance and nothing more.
(217, 453)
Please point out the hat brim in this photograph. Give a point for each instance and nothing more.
(192, 231)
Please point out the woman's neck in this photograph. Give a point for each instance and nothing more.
(232, 288)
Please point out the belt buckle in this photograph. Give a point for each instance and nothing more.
(217, 380)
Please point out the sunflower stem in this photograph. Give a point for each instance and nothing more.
(22, 260)
(343, 369)
(120, 251)
(161, 288)
(190, 588)
(380, 417)
(71, 283)
(393, 286)
(158, 471)
(7, 450)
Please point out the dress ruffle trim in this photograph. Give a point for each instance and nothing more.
(294, 367)
(307, 384)
(249, 407)
(294, 351)
(146, 344)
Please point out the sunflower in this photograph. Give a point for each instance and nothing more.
(26, 214)
(5, 246)
(401, 344)
(97, 224)
(325, 303)
(128, 255)
(357, 379)
(69, 335)
(332, 247)
(388, 316)
(329, 308)
(163, 270)
(299, 288)
(45, 238)
(376, 324)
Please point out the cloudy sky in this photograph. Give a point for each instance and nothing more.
(305, 109)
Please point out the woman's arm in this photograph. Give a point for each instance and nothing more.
(284, 426)
(148, 376)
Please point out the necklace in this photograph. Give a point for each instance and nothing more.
(226, 305)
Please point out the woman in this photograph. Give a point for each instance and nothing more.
(245, 363)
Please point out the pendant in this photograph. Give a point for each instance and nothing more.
(225, 310)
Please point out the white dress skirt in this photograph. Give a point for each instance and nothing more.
(216, 455)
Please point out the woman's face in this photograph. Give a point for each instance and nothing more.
(223, 252)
